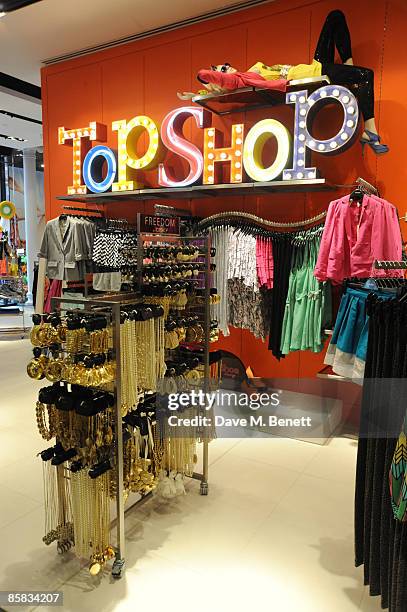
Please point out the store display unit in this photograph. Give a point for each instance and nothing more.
(52, 354)
(203, 312)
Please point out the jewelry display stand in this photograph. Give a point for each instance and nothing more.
(203, 312)
(112, 307)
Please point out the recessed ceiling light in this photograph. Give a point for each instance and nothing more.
(2, 14)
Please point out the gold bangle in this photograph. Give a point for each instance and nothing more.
(191, 334)
(36, 368)
(53, 371)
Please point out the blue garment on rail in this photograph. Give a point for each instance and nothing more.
(347, 350)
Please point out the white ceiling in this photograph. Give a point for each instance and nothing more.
(52, 28)
(55, 27)
(16, 127)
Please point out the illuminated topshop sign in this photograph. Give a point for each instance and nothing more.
(102, 168)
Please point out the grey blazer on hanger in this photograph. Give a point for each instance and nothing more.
(63, 253)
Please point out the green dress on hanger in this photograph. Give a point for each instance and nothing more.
(308, 304)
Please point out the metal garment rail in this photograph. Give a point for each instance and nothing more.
(390, 265)
(112, 307)
(233, 214)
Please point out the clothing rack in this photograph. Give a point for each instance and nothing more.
(390, 265)
(164, 209)
(236, 215)
(230, 215)
(114, 223)
(81, 209)
(366, 186)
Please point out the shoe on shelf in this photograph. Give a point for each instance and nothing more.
(373, 141)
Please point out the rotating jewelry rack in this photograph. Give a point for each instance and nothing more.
(111, 306)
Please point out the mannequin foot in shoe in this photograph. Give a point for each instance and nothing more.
(253, 380)
(372, 139)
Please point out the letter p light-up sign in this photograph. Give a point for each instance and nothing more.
(102, 168)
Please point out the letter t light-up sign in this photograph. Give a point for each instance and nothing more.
(94, 131)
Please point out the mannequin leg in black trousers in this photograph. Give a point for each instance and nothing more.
(335, 35)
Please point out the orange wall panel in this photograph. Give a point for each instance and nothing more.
(144, 76)
(281, 38)
(118, 82)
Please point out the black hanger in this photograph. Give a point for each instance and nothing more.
(357, 195)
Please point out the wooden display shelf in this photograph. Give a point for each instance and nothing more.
(203, 191)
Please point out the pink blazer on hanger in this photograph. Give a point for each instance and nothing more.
(356, 234)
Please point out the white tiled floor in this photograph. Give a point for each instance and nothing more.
(276, 530)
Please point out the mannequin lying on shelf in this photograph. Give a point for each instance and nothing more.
(334, 35)
(223, 78)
